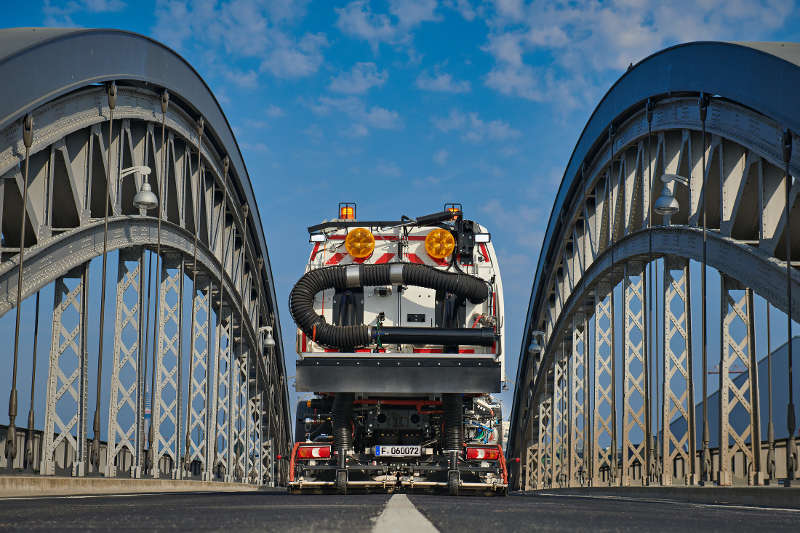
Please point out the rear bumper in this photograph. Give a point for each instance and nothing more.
(398, 373)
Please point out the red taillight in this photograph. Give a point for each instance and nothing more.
(487, 454)
(313, 452)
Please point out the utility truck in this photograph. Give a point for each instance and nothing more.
(400, 338)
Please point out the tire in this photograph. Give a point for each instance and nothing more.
(453, 483)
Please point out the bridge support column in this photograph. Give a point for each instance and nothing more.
(199, 365)
(738, 355)
(578, 456)
(544, 462)
(678, 391)
(68, 378)
(166, 394)
(223, 395)
(560, 413)
(635, 400)
(604, 456)
(127, 373)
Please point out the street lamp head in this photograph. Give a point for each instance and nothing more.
(145, 199)
(269, 340)
(666, 204)
(534, 347)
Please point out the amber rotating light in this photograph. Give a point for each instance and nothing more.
(359, 243)
(439, 243)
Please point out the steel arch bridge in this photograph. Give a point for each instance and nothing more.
(619, 335)
(181, 353)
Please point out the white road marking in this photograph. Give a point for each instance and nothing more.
(673, 502)
(401, 515)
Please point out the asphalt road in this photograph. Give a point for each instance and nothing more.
(276, 511)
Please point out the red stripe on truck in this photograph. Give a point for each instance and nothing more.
(335, 259)
(484, 253)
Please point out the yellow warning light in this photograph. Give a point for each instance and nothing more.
(439, 243)
(359, 243)
(347, 211)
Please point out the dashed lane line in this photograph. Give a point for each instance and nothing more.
(401, 515)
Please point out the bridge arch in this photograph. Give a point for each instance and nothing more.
(603, 232)
(114, 101)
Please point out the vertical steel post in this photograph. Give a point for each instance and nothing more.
(770, 425)
(706, 457)
(11, 433)
(791, 446)
(94, 456)
(30, 435)
(194, 329)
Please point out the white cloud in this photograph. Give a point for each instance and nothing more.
(544, 51)
(441, 157)
(442, 82)
(274, 111)
(61, 15)
(474, 129)
(296, 61)
(362, 117)
(409, 13)
(464, 7)
(361, 78)
(388, 168)
(453, 121)
(359, 20)
(241, 29)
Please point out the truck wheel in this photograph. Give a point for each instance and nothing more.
(341, 481)
(453, 483)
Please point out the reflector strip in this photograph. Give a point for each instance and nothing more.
(427, 350)
(315, 250)
(385, 258)
(485, 253)
(415, 259)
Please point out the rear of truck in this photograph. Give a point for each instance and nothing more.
(400, 337)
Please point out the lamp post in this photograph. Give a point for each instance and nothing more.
(144, 200)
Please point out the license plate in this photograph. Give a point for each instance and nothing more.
(397, 451)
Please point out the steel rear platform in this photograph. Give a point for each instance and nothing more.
(398, 373)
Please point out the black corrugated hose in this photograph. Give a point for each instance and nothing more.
(453, 407)
(342, 429)
(301, 299)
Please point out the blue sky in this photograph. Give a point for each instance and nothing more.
(403, 105)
